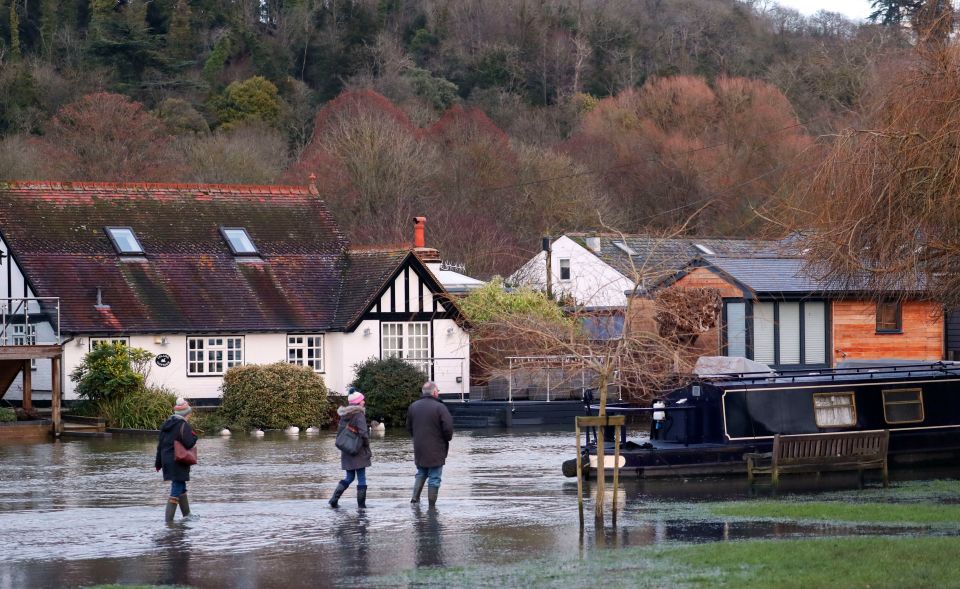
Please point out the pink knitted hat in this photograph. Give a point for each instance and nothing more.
(182, 408)
(355, 398)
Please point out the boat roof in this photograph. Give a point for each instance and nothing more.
(843, 373)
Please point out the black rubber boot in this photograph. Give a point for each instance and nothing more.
(432, 493)
(417, 489)
(184, 505)
(335, 500)
(362, 497)
(171, 509)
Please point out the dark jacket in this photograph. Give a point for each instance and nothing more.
(354, 415)
(431, 425)
(174, 428)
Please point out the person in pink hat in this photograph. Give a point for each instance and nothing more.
(354, 417)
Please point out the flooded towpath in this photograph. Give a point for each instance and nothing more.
(85, 512)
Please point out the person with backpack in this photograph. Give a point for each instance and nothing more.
(353, 424)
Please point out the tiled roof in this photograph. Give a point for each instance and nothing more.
(656, 258)
(188, 279)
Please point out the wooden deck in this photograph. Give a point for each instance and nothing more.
(16, 361)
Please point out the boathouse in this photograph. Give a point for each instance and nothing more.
(207, 277)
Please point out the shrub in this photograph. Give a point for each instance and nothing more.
(273, 396)
(111, 370)
(389, 386)
(7, 414)
(143, 408)
(111, 384)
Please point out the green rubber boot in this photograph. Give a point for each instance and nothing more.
(432, 493)
(184, 505)
(171, 509)
(417, 489)
(362, 497)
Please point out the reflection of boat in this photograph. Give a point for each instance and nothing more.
(706, 426)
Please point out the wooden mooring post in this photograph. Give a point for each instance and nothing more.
(617, 421)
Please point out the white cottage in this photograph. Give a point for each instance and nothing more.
(212, 276)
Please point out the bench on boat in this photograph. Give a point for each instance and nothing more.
(809, 453)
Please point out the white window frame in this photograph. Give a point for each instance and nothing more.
(25, 335)
(213, 355)
(397, 337)
(300, 348)
(564, 264)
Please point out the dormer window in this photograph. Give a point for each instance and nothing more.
(124, 241)
(239, 241)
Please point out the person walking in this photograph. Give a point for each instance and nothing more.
(176, 429)
(431, 425)
(354, 417)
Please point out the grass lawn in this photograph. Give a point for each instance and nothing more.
(849, 562)
(924, 514)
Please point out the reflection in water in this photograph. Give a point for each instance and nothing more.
(429, 536)
(86, 512)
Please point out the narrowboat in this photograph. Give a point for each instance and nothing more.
(706, 426)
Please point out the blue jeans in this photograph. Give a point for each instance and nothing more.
(360, 474)
(432, 475)
(178, 488)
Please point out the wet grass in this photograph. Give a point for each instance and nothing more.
(917, 503)
(875, 562)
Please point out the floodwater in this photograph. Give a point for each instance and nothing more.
(85, 512)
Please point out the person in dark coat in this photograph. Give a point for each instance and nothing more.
(431, 425)
(176, 427)
(353, 416)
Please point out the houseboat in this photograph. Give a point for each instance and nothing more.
(706, 426)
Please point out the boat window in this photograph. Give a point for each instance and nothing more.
(903, 405)
(834, 409)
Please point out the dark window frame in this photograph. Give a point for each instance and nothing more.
(233, 250)
(116, 245)
(898, 317)
(749, 326)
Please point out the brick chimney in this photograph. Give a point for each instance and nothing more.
(429, 256)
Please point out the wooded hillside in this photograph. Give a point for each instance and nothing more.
(500, 120)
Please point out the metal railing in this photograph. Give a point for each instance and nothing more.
(30, 321)
(545, 378)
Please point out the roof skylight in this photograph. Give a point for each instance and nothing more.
(625, 248)
(704, 249)
(239, 241)
(124, 241)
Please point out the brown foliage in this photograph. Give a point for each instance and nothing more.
(108, 137)
(682, 314)
(678, 144)
(884, 207)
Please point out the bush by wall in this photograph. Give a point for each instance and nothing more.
(111, 384)
(273, 396)
(389, 386)
(7, 414)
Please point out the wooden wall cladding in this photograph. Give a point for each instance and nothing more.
(855, 334)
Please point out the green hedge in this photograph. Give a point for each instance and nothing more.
(389, 386)
(273, 396)
(7, 414)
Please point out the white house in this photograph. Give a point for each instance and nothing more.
(598, 271)
(207, 277)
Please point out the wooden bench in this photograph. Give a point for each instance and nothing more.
(822, 452)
